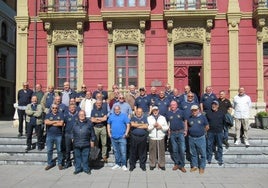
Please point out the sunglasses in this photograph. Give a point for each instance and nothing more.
(54, 108)
(83, 87)
(190, 96)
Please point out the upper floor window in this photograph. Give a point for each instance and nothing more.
(66, 66)
(4, 31)
(125, 3)
(67, 5)
(188, 50)
(126, 68)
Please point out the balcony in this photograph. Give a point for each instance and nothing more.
(190, 9)
(58, 10)
(125, 9)
(260, 10)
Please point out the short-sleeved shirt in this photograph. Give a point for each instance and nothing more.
(143, 102)
(163, 105)
(196, 125)
(224, 105)
(207, 99)
(138, 131)
(118, 123)
(69, 121)
(54, 130)
(176, 120)
(186, 107)
(99, 112)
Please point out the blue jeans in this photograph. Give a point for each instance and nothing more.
(81, 159)
(120, 151)
(50, 141)
(178, 148)
(198, 151)
(217, 139)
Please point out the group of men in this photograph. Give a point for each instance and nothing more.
(133, 120)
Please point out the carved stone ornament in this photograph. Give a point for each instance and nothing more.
(79, 26)
(189, 33)
(47, 26)
(265, 33)
(70, 35)
(126, 35)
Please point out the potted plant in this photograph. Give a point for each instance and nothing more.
(262, 119)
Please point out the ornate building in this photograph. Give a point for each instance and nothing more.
(7, 57)
(223, 43)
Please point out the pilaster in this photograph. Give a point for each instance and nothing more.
(233, 17)
(22, 20)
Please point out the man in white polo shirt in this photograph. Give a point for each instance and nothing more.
(242, 105)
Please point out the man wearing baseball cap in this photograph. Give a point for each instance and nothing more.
(215, 133)
(197, 126)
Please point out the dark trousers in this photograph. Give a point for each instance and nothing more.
(68, 148)
(22, 116)
(29, 135)
(40, 136)
(138, 150)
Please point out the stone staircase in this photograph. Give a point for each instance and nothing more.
(12, 151)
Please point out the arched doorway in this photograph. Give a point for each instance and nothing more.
(188, 62)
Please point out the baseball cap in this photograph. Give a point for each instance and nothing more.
(155, 108)
(194, 107)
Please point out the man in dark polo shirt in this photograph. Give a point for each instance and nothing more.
(70, 117)
(215, 133)
(138, 140)
(197, 126)
(206, 100)
(178, 130)
(54, 122)
(143, 102)
(24, 98)
(99, 120)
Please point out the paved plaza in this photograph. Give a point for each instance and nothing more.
(36, 176)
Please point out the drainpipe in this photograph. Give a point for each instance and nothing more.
(35, 41)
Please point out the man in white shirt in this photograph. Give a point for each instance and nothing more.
(242, 105)
(87, 104)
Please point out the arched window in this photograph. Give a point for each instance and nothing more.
(4, 31)
(66, 66)
(126, 65)
(188, 50)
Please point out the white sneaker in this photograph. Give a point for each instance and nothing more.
(115, 167)
(247, 143)
(124, 168)
(237, 142)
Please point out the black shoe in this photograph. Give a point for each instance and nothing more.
(143, 168)
(162, 168)
(87, 172)
(152, 167)
(131, 168)
(27, 149)
(76, 172)
(67, 165)
(19, 135)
